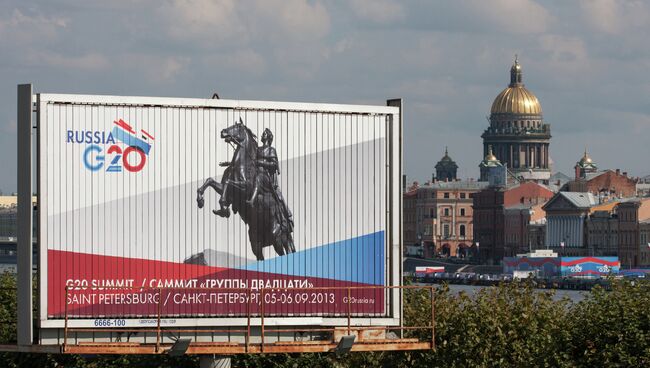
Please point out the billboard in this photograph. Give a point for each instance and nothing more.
(547, 267)
(589, 266)
(201, 209)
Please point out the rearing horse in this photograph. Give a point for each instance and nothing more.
(264, 218)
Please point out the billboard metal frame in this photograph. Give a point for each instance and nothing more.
(29, 103)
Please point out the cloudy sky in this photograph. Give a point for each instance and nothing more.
(587, 61)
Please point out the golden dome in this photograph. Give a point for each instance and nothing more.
(585, 158)
(516, 99)
(490, 156)
(586, 161)
(490, 160)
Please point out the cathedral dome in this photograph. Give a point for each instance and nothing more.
(516, 99)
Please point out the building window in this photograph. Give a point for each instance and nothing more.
(462, 230)
(462, 212)
(446, 195)
(446, 231)
(446, 211)
(432, 213)
(462, 195)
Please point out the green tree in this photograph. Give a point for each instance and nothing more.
(612, 328)
(512, 325)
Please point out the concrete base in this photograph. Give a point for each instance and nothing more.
(214, 361)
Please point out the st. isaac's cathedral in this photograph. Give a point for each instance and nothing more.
(517, 136)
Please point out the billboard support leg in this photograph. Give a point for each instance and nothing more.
(65, 326)
(214, 361)
(25, 212)
(158, 312)
(262, 319)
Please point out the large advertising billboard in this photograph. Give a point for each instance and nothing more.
(210, 208)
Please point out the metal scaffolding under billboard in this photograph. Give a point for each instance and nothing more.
(200, 213)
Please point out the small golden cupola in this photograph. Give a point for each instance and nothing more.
(585, 166)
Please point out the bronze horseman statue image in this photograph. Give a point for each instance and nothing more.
(250, 187)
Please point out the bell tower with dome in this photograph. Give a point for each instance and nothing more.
(446, 168)
(517, 133)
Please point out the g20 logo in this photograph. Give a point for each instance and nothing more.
(133, 157)
(118, 158)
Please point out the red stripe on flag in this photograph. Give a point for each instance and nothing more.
(121, 123)
(147, 134)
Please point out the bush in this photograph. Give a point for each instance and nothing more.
(612, 328)
(512, 325)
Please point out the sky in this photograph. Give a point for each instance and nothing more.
(588, 62)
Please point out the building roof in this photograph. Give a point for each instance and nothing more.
(458, 185)
(605, 207)
(411, 193)
(562, 177)
(519, 207)
(579, 200)
(593, 175)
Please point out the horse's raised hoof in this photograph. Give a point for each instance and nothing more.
(224, 212)
(199, 199)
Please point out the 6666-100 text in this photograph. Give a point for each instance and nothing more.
(110, 323)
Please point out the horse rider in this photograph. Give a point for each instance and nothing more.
(267, 175)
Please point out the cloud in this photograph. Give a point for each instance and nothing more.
(513, 16)
(565, 50)
(230, 22)
(299, 20)
(203, 20)
(245, 61)
(614, 16)
(90, 61)
(378, 11)
(19, 28)
(586, 61)
(157, 69)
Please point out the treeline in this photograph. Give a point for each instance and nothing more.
(512, 325)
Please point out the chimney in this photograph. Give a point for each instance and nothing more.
(577, 168)
(624, 173)
(618, 171)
